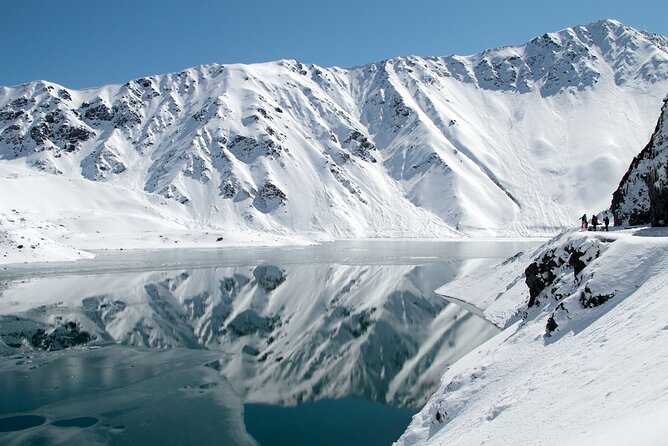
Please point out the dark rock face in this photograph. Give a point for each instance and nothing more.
(551, 325)
(642, 195)
(248, 149)
(10, 115)
(268, 198)
(591, 300)
(40, 133)
(64, 94)
(360, 146)
(126, 113)
(18, 332)
(576, 261)
(97, 112)
(541, 273)
(228, 190)
(658, 197)
(62, 337)
(549, 279)
(74, 134)
(42, 124)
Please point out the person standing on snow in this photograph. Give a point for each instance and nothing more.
(594, 221)
(583, 219)
(606, 222)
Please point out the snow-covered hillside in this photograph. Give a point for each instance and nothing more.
(584, 354)
(642, 195)
(512, 141)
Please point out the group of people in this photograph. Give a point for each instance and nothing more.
(594, 222)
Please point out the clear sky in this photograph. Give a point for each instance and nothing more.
(85, 43)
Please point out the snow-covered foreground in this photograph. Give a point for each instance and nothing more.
(585, 365)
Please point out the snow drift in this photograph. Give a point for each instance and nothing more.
(581, 356)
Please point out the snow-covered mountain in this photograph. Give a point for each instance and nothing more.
(518, 140)
(642, 195)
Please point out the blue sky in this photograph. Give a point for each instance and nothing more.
(85, 43)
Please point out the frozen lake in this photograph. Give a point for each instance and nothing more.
(338, 343)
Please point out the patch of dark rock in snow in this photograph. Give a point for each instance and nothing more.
(268, 198)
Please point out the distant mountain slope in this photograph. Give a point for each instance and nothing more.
(642, 196)
(512, 141)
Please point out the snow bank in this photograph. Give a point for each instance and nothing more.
(495, 293)
(500, 293)
(29, 245)
(586, 363)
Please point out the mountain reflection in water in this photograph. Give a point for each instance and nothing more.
(280, 334)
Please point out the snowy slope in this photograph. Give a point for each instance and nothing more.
(44, 219)
(498, 143)
(642, 195)
(585, 365)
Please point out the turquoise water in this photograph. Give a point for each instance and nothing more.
(347, 421)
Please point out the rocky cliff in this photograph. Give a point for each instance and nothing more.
(642, 195)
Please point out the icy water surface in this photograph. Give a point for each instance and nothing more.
(332, 344)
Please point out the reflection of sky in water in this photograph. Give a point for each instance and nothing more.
(344, 320)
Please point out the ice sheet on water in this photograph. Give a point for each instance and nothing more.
(118, 395)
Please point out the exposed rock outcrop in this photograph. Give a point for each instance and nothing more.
(642, 195)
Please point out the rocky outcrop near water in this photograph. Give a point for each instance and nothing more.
(642, 195)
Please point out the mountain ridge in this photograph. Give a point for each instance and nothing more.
(489, 144)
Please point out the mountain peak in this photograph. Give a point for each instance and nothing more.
(605, 23)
